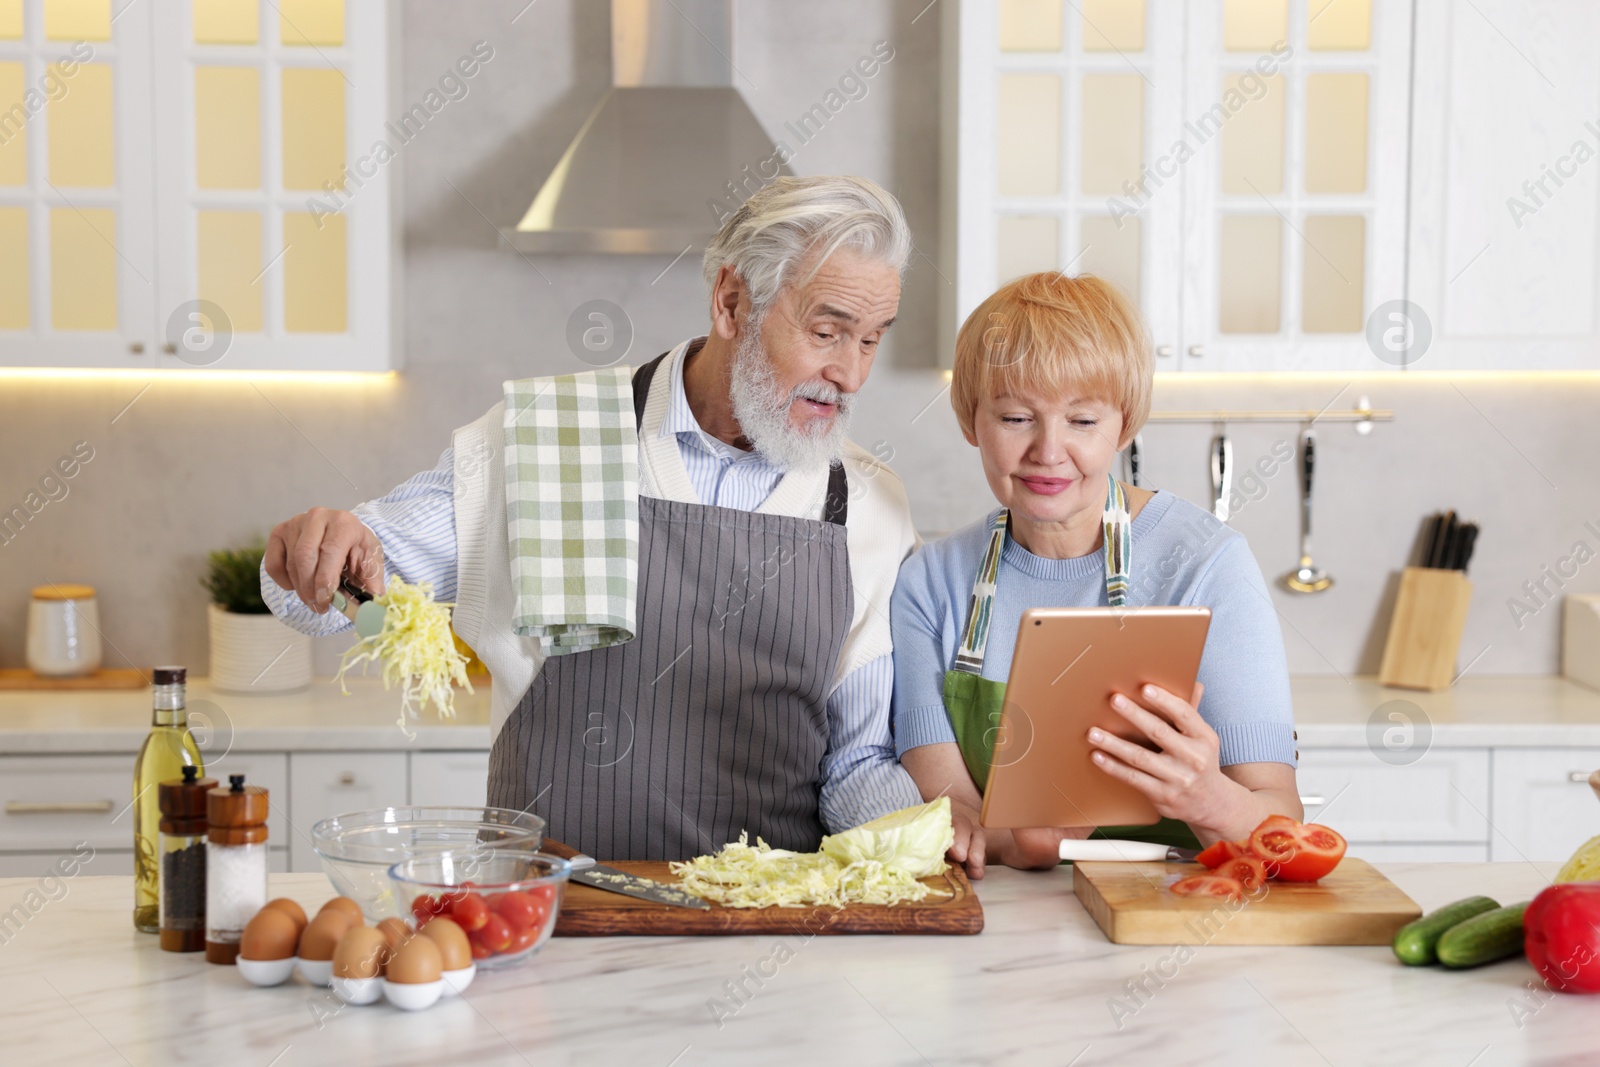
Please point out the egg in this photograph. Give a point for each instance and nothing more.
(396, 931)
(452, 941)
(291, 909)
(361, 953)
(322, 935)
(270, 935)
(347, 906)
(415, 962)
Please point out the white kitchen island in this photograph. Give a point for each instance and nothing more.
(1040, 985)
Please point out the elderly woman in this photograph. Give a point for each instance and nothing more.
(1052, 379)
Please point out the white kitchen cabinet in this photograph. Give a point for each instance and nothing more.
(458, 778)
(49, 802)
(106, 861)
(1442, 798)
(1412, 852)
(324, 784)
(1237, 169)
(270, 770)
(1504, 219)
(1543, 806)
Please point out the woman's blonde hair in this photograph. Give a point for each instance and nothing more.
(1048, 335)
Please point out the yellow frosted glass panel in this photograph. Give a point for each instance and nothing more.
(1113, 25)
(1254, 25)
(1030, 25)
(1110, 251)
(1029, 134)
(313, 128)
(1112, 149)
(77, 20)
(1339, 25)
(1027, 243)
(1336, 133)
(1332, 269)
(13, 127)
(1252, 139)
(226, 21)
(83, 269)
(227, 127)
(14, 288)
(309, 22)
(230, 264)
(82, 141)
(1250, 274)
(314, 274)
(10, 20)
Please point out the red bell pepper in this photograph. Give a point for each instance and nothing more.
(1562, 936)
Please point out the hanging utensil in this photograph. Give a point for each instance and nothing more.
(1221, 473)
(1130, 459)
(1306, 578)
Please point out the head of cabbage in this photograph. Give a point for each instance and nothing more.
(912, 840)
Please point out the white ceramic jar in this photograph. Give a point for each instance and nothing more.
(63, 631)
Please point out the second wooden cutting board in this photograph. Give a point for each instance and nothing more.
(1133, 904)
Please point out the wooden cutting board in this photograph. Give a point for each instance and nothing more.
(952, 908)
(1133, 905)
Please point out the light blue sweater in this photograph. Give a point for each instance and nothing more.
(1182, 555)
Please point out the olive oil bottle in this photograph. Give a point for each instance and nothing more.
(166, 752)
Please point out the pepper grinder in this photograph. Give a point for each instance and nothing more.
(236, 864)
(182, 849)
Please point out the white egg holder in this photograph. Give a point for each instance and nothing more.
(408, 996)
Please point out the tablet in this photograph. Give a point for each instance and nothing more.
(1068, 662)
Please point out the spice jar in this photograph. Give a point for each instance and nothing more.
(236, 864)
(182, 848)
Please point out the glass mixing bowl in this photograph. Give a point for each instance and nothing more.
(505, 899)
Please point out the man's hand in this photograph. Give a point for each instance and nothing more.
(970, 848)
(309, 552)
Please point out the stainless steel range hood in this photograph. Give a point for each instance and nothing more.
(670, 147)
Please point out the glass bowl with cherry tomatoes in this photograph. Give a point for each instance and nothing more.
(505, 899)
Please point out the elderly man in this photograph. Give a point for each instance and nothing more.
(756, 693)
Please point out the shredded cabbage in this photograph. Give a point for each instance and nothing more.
(880, 862)
(417, 649)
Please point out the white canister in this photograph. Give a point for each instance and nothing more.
(63, 631)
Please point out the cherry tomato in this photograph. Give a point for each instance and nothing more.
(424, 908)
(495, 933)
(470, 912)
(1208, 885)
(480, 951)
(1221, 852)
(516, 908)
(523, 939)
(543, 894)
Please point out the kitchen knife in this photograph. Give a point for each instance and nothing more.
(1133, 458)
(1108, 849)
(1221, 474)
(1430, 530)
(587, 872)
(1452, 540)
(1436, 552)
(1469, 536)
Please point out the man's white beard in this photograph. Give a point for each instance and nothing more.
(762, 408)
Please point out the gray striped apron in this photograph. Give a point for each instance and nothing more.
(714, 718)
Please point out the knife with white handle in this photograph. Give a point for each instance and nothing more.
(1127, 851)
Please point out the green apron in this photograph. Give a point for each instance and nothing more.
(973, 702)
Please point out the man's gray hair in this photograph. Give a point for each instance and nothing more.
(784, 223)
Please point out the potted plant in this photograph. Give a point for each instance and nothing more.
(251, 651)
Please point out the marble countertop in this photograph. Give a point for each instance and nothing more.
(1038, 986)
(319, 717)
(1330, 712)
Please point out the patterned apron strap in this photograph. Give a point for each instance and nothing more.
(980, 608)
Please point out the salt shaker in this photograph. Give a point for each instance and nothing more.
(182, 851)
(236, 864)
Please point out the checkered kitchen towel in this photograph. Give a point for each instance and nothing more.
(572, 508)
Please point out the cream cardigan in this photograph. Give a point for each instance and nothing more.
(878, 531)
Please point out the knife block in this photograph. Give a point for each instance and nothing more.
(1425, 631)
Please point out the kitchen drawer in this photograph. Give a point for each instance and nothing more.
(1420, 853)
(1543, 806)
(450, 778)
(105, 861)
(270, 770)
(331, 783)
(1443, 797)
(50, 803)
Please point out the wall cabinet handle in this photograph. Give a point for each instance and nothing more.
(1163, 350)
(1197, 350)
(1578, 777)
(347, 778)
(1313, 802)
(81, 807)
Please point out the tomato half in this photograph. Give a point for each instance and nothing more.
(1209, 885)
(1218, 854)
(1248, 871)
(1295, 852)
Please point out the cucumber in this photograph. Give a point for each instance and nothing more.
(1417, 942)
(1494, 935)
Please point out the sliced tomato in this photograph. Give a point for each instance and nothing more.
(1248, 871)
(1221, 852)
(1209, 885)
(1296, 852)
